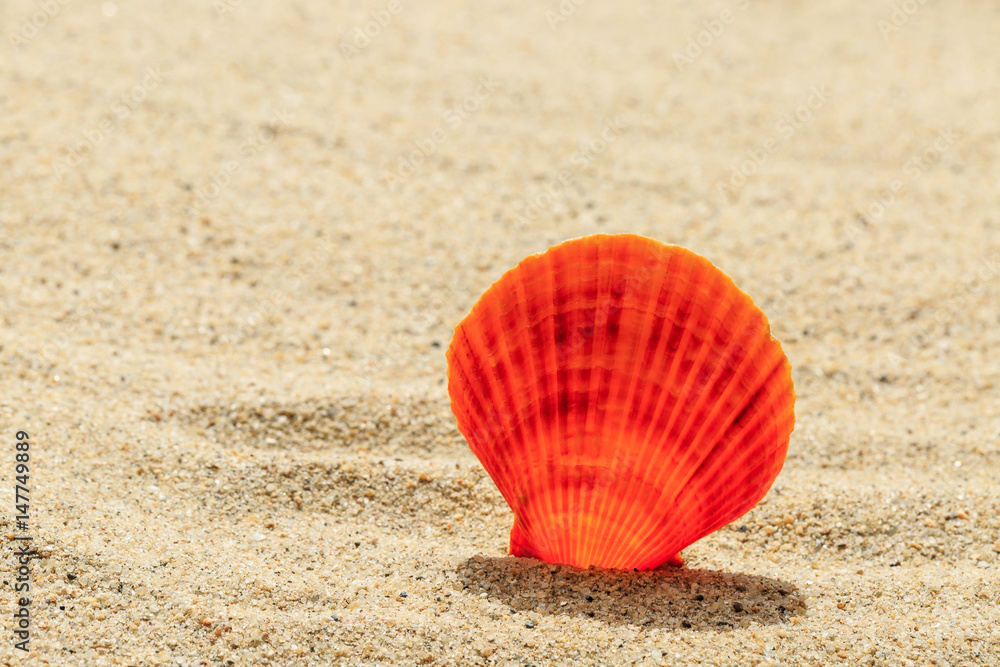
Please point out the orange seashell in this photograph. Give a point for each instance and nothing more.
(626, 398)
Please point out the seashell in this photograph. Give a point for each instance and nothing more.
(626, 398)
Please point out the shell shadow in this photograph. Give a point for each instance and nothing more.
(670, 598)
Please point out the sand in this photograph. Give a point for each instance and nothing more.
(235, 239)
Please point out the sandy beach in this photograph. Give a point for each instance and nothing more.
(236, 236)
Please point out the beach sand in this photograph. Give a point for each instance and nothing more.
(235, 239)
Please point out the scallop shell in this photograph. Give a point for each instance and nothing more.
(626, 398)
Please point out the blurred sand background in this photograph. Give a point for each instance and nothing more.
(243, 451)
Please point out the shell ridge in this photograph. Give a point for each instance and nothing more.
(779, 418)
(694, 470)
(770, 373)
(528, 506)
(648, 399)
(474, 430)
(692, 526)
(684, 288)
(772, 431)
(591, 444)
(519, 547)
(565, 518)
(680, 322)
(626, 398)
(579, 371)
(657, 540)
(723, 508)
(700, 348)
(531, 382)
(613, 310)
(605, 376)
(669, 311)
(673, 481)
(540, 326)
(750, 499)
(607, 277)
(719, 364)
(567, 521)
(700, 363)
(751, 345)
(518, 443)
(782, 426)
(609, 307)
(708, 307)
(491, 442)
(487, 428)
(785, 417)
(578, 347)
(504, 435)
(555, 475)
(654, 283)
(512, 409)
(541, 332)
(645, 529)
